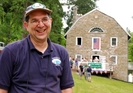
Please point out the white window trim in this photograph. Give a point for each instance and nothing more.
(78, 55)
(99, 43)
(97, 30)
(1, 44)
(111, 42)
(81, 40)
(115, 59)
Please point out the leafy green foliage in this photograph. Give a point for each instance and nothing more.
(84, 6)
(130, 48)
(12, 17)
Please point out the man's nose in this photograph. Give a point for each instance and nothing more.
(41, 24)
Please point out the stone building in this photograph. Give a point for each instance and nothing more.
(97, 34)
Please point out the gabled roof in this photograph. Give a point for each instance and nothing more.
(96, 9)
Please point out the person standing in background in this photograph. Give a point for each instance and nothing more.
(76, 64)
(80, 70)
(71, 62)
(89, 73)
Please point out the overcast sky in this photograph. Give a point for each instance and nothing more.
(120, 10)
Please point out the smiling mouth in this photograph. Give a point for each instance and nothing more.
(40, 31)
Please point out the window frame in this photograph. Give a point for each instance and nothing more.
(77, 40)
(111, 41)
(96, 29)
(114, 62)
(80, 57)
(1, 44)
(99, 44)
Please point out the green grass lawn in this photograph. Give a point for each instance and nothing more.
(100, 85)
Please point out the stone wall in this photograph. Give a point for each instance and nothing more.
(110, 29)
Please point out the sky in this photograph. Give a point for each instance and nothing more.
(120, 10)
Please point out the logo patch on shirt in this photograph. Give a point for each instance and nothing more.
(56, 61)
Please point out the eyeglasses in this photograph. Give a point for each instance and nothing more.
(37, 22)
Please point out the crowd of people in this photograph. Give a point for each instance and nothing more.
(81, 69)
(86, 71)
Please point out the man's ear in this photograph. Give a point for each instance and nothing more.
(51, 20)
(25, 24)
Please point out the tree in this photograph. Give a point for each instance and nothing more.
(130, 48)
(9, 28)
(84, 6)
(56, 35)
(12, 17)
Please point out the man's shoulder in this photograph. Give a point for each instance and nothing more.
(16, 44)
(58, 46)
(55, 44)
(15, 48)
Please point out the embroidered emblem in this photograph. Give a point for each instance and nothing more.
(56, 61)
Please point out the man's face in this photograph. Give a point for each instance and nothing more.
(38, 25)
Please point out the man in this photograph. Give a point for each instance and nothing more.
(80, 71)
(35, 64)
(89, 73)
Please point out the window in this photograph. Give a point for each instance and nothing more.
(113, 41)
(79, 57)
(96, 43)
(78, 41)
(96, 29)
(113, 59)
(1, 44)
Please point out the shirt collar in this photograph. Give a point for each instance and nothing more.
(31, 46)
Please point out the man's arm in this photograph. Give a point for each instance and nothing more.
(3, 91)
(68, 90)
